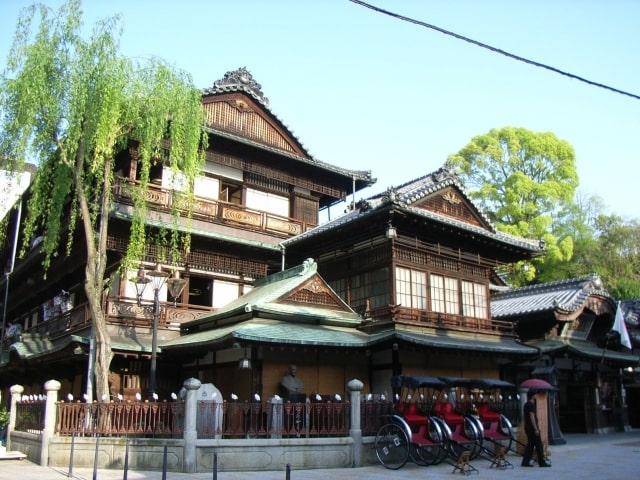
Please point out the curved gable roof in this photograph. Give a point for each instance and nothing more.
(237, 109)
(298, 294)
(564, 296)
(408, 198)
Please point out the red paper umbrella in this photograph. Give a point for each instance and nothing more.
(537, 384)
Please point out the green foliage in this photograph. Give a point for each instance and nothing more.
(71, 105)
(617, 258)
(522, 181)
(4, 416)
(604, 244)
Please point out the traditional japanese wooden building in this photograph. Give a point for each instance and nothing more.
(259, 186)
(571, 323)
(402, 283)
(417, 262)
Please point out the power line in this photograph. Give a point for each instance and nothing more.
(493, 49)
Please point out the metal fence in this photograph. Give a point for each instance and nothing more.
(215, 420)
(273, 420)
(144, 419)
(30, 415)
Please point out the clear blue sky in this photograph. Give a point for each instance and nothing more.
(365, 91)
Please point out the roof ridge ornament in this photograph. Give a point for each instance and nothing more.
(448, 170)
(241, 79)
(391, 195)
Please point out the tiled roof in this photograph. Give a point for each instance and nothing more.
(263, 298)
(631, 312)
(279, 332)
(400, 199)
(241, 80)
(591, 350)
(361, 175)
(564, 295)
(466, 342)
(34, 346)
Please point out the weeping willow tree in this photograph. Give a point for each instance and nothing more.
(70, 105)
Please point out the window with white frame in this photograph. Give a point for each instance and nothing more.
(474, 299)
(411, 288)
(444, 294)
(451, 298)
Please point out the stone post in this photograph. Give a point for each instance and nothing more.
(190, 424)
(16, 394)
(52, 387)
(355, 432)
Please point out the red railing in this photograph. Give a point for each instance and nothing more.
(146, 419)
(214, 420)
(273, 420)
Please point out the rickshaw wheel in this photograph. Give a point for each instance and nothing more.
(507, 431)
(429, 454)
(392, 446)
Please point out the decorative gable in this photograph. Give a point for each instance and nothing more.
(449, 202)
(315, 292)
(237, 105)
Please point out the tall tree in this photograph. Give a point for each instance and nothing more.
(522, 181)
(578, 221)
(70, 105)
(617, 257)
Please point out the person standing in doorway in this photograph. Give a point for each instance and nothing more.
(532, 430)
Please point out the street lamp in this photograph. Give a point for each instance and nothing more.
(175, 285)
(156, 278)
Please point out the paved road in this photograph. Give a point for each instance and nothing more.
(599, 457)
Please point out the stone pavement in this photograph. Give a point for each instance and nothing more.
(599, 457)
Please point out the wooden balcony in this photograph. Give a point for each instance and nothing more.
(214, 211)
(442, 321)
(119, 311)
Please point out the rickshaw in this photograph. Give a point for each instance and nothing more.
(496, 427)
(460, 427)
(411, 431)
(480, 400)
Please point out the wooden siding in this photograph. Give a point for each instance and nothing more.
(237, 116)
(451, 204)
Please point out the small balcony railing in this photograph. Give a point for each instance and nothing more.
(216, 211)
(119, 310)
(443, 320)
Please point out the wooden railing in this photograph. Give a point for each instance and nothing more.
(126, 310)
(119, 310)
(216, 211)
(442, 320)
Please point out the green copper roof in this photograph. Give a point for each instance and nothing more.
(278, 332)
